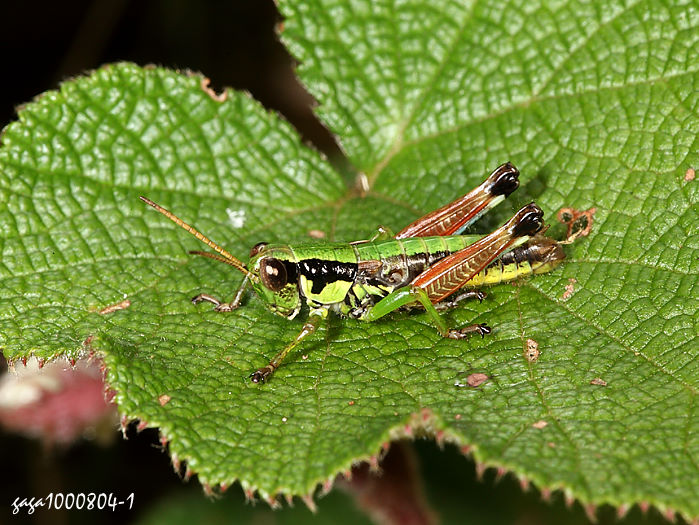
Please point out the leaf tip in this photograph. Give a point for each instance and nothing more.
(187, 473)
(546, 495)
(591, 512)
(273, 502)
(524, 484)
(205, 85)
(249, 494)
(500, 473)
(621, 511)
(310, 502)
(124, 424)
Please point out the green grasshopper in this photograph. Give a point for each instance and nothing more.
(422, 265)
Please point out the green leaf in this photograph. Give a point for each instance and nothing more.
(598, 107)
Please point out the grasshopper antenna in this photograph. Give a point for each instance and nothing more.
(226, 257)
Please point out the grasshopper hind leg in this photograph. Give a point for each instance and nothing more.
(471, 294)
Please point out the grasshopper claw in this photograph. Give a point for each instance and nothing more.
(463, 333)
(261, 375)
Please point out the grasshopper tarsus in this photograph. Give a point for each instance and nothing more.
(462, 333)
(218, 305)
(471, 294)
(261, 375)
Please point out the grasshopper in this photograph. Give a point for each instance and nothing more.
(422, 265)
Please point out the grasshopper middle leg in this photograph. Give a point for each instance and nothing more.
(411, 295)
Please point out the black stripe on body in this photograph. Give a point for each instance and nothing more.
(321, 272)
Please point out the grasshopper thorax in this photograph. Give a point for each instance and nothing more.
(277, 283)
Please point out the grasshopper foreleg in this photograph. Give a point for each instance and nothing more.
(220, 306)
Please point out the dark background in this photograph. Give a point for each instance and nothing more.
(234, 43)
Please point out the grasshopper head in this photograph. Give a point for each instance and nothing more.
(277, 282)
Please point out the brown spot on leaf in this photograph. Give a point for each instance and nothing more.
(569, 289)
(164, 399)
(316, 234)
(598, 381)
(690, 174)
(350, 403)
(531, 351)
(115, 307)
(540, 424)
(475, 380)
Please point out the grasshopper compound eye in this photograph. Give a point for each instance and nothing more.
(273, 274)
